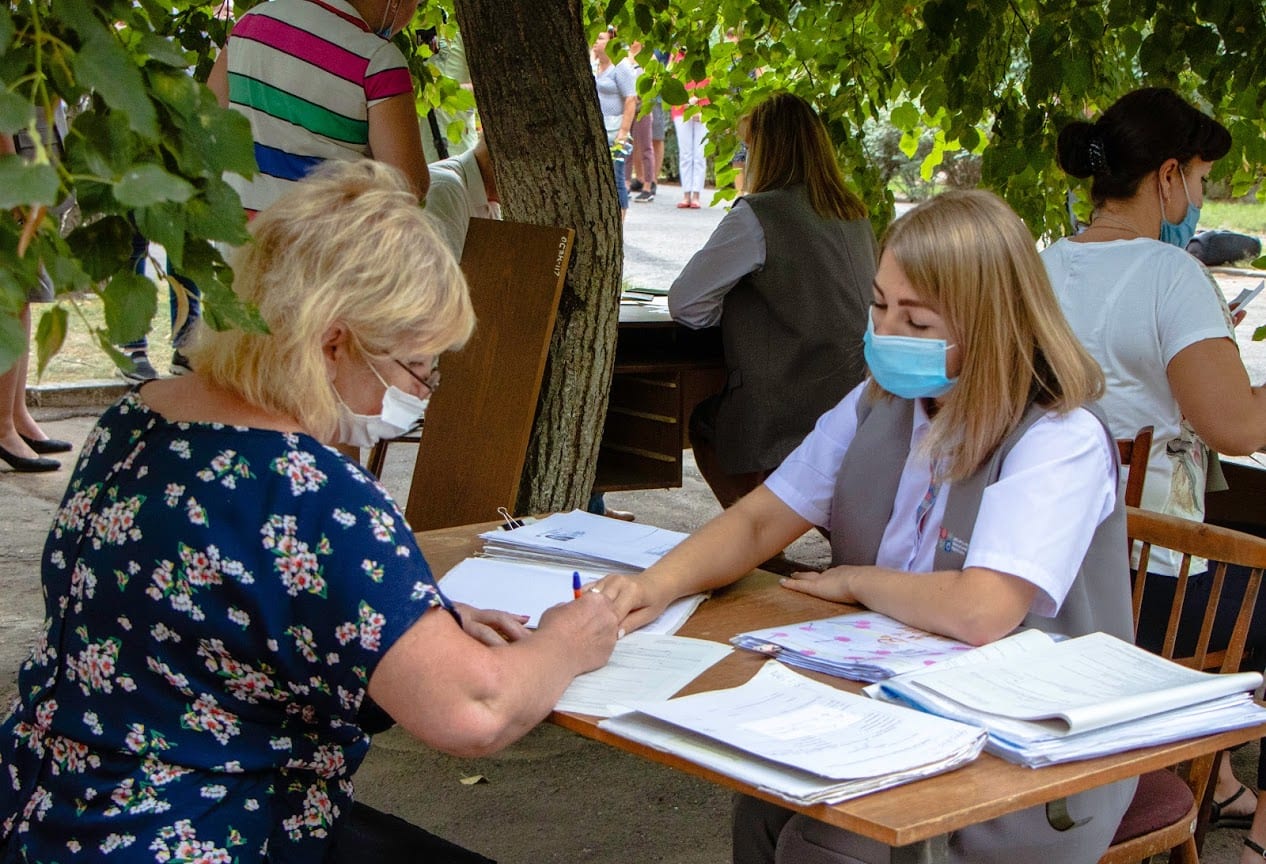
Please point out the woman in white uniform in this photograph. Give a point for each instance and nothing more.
(968, 490)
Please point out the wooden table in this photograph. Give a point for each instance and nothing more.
(915, 818)
(662, 371)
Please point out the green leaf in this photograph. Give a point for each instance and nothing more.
(164, 224)
(6, 29)
(50, 335)
(217, 214)
(223, 139)
(150, 184)
(103, 247)
(130, 303)
(673, 91)
(905, 116)
(163, 51)
(12, 341)
(23, 183)
(120, 359)
(15, 113)
(104, 66)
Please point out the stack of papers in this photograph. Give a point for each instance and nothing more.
(861, 646)
(583, 541)
(801, 740)
(1053, 702)
(530, 589)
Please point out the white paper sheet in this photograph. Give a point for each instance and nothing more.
(644, 667)
(528, 589)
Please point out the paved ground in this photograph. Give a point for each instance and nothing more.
(553, 797)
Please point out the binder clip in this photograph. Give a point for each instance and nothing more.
(510, 522)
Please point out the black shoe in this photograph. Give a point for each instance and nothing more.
(142, 370)
(644, 197)
(48, 445)
(24, 465)
(180, 364)
(636, 186)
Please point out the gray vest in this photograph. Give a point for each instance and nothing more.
(792, 330)
(866, 488)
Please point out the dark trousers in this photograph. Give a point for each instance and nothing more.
(1158, 594)
(370, 835)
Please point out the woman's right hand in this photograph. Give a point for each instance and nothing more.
(593, 625)
(635, 602)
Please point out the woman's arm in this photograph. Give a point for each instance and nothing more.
(1212, 388)
(394, 138)
(736, 248)
(975, 605)
(218, 80)
(468, 699)
(759, 526)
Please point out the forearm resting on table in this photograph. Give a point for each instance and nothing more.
(976, 605)
(756, 528)
(468, 699)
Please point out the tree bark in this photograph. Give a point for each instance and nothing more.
(537, 100)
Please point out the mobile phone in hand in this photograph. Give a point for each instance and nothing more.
(1246, 296)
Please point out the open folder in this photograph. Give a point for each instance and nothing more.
(1061, 701)
(801, 740)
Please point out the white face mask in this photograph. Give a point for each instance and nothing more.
(400, 413)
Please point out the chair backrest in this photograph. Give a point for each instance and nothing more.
(1220, 545)
(478, 424)
(1134, 454)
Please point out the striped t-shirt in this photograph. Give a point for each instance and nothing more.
(304, 72)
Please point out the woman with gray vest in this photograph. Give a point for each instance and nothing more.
(787, 276)
(969, 490)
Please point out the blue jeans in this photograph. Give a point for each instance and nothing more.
(140, 247)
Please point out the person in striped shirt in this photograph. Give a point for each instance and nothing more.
(320, 80)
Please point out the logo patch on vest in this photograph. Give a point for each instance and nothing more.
(949, 543)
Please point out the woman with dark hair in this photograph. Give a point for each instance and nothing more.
(787, 275)
(1158, 325)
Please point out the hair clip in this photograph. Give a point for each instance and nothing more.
(1097, 157)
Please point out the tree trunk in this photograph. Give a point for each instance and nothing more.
(529, 67)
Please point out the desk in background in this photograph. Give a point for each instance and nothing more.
(662, 371)
(915, 818)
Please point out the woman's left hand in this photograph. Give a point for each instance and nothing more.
(834, 584)
(490, 626)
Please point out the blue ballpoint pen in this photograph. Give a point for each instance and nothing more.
(575, 584)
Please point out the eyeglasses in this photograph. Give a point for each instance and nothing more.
(431, 382)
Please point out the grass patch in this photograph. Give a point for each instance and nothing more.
(81, 358)
(1241, 216)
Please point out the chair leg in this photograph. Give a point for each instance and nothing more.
(377, 457)
(1185, 854)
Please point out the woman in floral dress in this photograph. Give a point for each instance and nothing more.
(223, 590)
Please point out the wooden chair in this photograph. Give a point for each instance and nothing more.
(1164, 814)
(1128, 448)
(474, 441)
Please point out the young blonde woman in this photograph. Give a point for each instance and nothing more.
(787, 276)
(232, 605)
(968, 489)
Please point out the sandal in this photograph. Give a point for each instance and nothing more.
(1230, 820)
(683, 205)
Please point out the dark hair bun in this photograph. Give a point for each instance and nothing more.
(1072, 149)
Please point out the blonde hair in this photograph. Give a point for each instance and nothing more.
(788, 145)
(348, 245)
(970, 257)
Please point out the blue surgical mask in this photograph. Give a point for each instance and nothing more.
(907, 366)
(1180, 234)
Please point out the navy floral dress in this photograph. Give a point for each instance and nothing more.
(216, 599)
